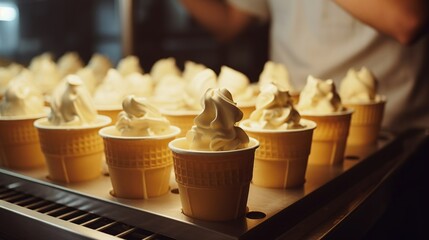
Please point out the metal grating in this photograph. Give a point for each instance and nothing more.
(76, 216)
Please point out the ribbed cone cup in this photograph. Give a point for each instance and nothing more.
(72, 154)
(282, 157)
(19, 144)
(366, 123)
(139, 167)
(213, 185)
(329, 138)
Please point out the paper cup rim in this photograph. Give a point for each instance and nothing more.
(168, 112)
(382, 100)
(253, 144)
(109, 107)
(103, 133)
(26, 117)
(348, 111)
(248, 103)
(43, 123)
(310, 125)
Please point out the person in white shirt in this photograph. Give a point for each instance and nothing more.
(325, 38)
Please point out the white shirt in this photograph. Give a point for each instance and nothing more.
(321, 39)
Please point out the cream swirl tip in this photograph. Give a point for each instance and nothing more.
(140, 118)
(72, 103)
(215, 128)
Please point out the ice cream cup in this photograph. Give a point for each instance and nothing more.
(19, 143)
(295, 97)
(110, 111)
(282, 157)
(247, 108)
(213, 185)
(139, 167)
(72, 153)
(184, 119)
(330, 137)
(366, 122)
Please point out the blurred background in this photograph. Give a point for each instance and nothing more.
(148, 29)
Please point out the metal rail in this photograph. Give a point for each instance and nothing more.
(87, 210)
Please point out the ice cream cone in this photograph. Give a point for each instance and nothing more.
(282, 157)
(213, 185)
(366, 122)
(139, 167)
(19, 143)
(72, 153)
(329, 138)
(181, 118)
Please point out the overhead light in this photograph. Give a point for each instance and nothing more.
(7, 13)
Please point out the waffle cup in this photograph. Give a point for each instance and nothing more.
(19, 143)
(72, 153)
(213, 185)
(112, 112)
(282, 157)
(181, 118)
(329, 138)
(139, 167)
(366, 122)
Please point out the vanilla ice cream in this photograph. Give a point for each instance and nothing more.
(196, 87)
(140, 85)
(128, 65)
(20, 106)
(237, 83)
(276, 73)
(22, 97)
(359, 87)
(168, 92)
(215, 128)
(7, 74)
(140, 118)
(39, 59)
(112, 90)
(69, 63)
(46, 74)
(358, 90)
(320, 102)
(88, 77)
(72, 104)
(164, 67)
(191, 70)
(319, 97)
(100, 65)
(274, 110)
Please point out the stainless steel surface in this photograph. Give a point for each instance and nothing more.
(272, 212)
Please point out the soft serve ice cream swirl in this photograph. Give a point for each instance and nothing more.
(215, 128)
(196, 87)
(237, 83)
(276, 73)
(140, 118)
(72, 104)
(22, 97)
(319, 97)
(359, 87)
(274, 110)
